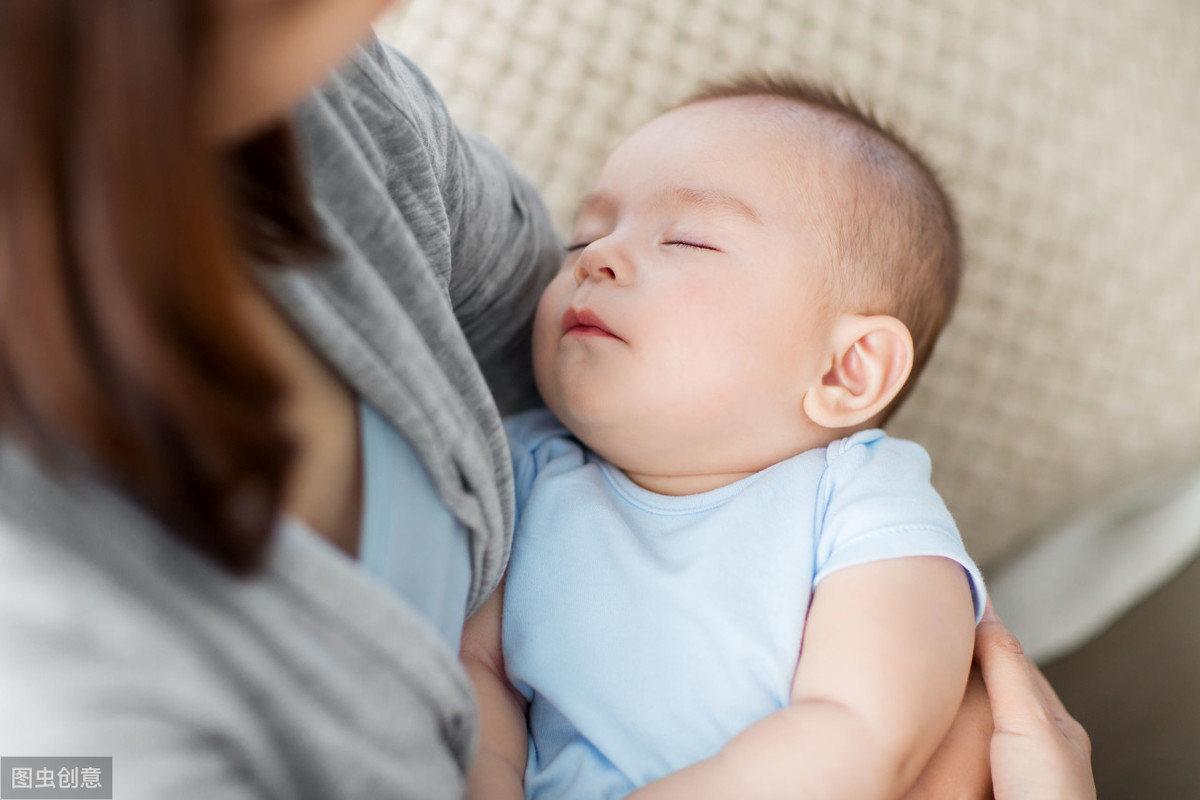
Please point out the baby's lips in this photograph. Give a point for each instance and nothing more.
(576, 319)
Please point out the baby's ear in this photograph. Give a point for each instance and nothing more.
(872, 358)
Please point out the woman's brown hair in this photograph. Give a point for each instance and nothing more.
(124, 236)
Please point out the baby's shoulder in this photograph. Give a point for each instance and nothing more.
(540, 445)
(532, 430)
(878, 454)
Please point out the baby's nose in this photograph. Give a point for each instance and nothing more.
(602, 263)
(601, 272)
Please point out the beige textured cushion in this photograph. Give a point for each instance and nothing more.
(1067, 131)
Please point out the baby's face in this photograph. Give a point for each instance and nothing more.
(690, 315)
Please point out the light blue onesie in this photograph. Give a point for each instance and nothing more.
(647, 630)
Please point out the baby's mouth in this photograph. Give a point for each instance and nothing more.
(583, 322)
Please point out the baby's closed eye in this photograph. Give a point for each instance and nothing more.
(692, 244)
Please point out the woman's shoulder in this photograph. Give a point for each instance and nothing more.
(381, 105)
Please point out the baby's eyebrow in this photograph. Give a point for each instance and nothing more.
(601, 202)
(596, 203)
(712, 199)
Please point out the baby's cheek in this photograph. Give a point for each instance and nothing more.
(549, 312)
(711, 368)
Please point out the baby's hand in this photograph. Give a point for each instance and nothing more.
(493, 778)
(498, 769)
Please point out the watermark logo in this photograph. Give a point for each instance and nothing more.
(35, 778)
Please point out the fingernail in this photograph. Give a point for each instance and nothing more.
(989, 613)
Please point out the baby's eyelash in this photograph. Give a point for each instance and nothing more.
(692, 245)
(572, 248)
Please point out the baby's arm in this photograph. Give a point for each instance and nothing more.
(887, 649)
(498, 770)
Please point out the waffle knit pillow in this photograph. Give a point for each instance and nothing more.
(1066, 131)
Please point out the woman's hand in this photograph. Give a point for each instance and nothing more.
(1038, 750)
(1011, 714)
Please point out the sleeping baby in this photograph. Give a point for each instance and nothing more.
(726, 580)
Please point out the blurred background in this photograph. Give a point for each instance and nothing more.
(1062, 409)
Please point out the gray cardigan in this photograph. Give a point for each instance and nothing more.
(309, 679)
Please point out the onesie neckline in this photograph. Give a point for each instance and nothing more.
(672, 504)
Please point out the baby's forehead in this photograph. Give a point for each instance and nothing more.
(804, 142)
(789, 119)
(841, 171)
(841, 152)
(795, 162)
(811, 142)
(822, 151)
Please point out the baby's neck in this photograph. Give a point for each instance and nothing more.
(678, 485)
(697, 482)
(679, 467)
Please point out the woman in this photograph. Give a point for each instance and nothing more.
(249, 338)
(182, 432)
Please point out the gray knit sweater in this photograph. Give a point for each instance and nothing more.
(308, 680)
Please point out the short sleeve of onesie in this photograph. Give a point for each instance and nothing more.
(875, 502)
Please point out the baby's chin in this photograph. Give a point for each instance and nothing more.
(611, 436)
(589, 413)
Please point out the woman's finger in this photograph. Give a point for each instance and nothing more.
(1050, 698)
(1038, 750)
(1015, 693)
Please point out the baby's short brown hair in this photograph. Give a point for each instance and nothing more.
(898, 250)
